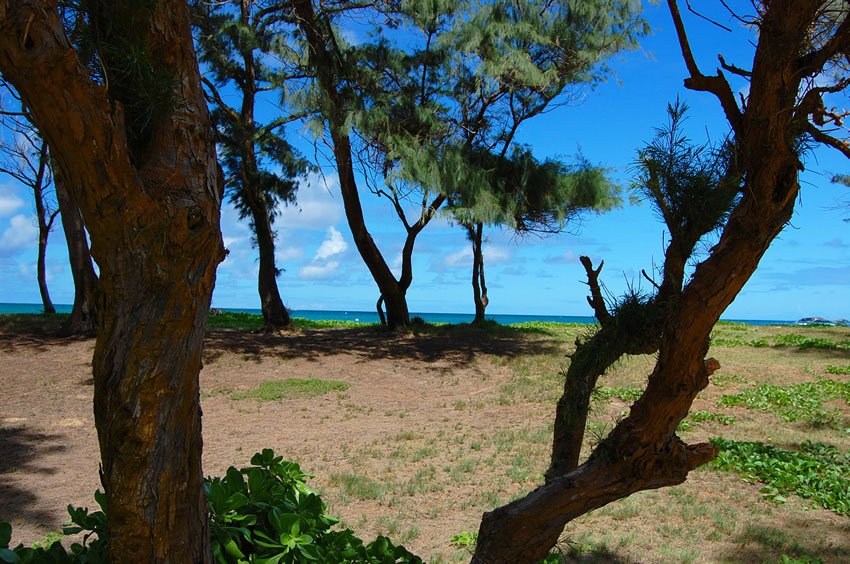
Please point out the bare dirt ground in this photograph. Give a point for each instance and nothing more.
(432, 431)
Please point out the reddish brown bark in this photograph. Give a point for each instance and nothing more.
(154, 225)
(643, 451)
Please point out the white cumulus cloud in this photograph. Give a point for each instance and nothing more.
(20, 234)
(319, 271)
(319, 205)
(493, 254)
(322, 267)
(9, 203)
(331, 246)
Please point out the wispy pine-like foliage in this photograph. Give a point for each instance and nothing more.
(109, 36)
(693, 188)
(238, 51)
(439, 111)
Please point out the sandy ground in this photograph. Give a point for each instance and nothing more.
(402, 389)
(432, 431)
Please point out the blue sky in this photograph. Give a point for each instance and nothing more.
(806, 272)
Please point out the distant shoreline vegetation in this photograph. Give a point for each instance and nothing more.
(372, 317)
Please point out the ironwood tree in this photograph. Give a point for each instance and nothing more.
(749, 189)
(25, 158)
(463, 81)
(236, 42)
(524, 195)
(127, 125)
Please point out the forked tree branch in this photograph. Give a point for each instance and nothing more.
(829, 140)
(595, 298)
(717, 85)
(734, 69)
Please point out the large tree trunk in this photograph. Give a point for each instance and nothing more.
(479, 284)
(153, 216)
(83, 319)
(643, 451)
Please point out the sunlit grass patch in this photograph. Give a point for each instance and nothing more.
(359, 486)
(803, 401)
(293, 388)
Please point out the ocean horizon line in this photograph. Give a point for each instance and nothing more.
(372, 316)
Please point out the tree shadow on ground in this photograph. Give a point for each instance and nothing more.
(20, 451)
(597, 556)
(763, 543)
(453, 346)
(825, 353)
(35, 332)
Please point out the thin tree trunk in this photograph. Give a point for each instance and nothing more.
(43, 232)
(479, 284)
(153, 215)
(45, 224)
(275, 315)
(83, 319)
(380, 307)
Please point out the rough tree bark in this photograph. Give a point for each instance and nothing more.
(153, 216)
(643, 451)
(83, 318)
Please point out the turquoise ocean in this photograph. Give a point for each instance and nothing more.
(372, 317)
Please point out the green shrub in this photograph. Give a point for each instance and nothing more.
(832, 369)
(267, 513)
(264, 514)
(817, 472)
(93, 550)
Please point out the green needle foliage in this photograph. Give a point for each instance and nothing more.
(432, 101)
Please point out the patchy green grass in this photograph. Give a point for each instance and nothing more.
(254, 322)
(273, 390)
(698, 416)
(603, 393)
(732, 335)
(802, 401)
(440, 440)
